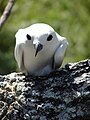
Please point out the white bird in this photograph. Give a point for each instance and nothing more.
(39, 49)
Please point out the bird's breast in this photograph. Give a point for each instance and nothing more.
(33, 63)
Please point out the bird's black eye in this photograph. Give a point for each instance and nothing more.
(49, 38)
(28, 37)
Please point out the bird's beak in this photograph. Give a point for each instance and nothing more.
(38, 46)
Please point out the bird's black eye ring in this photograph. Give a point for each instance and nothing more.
(49, 38)
(28, 37)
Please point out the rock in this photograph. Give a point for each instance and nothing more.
(3, 109)
(62, 95)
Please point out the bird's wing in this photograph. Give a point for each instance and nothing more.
(59, 54)
(19, 56)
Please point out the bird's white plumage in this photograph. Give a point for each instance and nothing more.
(50, 45)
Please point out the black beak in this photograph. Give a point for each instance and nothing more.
(38, 48)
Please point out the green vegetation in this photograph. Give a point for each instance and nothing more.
(70, 18)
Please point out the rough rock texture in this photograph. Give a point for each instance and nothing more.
(62, 95)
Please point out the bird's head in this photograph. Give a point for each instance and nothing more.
(40, 35)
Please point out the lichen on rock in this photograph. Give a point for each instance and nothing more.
(62, 95)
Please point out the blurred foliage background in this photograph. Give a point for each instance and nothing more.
(70, 18)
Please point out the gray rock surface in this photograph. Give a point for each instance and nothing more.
(62, 95)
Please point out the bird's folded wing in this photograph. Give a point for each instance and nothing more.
(19, 56)
(59, 54)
